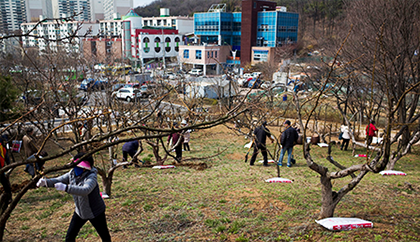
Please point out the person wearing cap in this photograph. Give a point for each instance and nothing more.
(187, 136)
(261, 133)
(81, 183)
(287, 141)
(177, 141)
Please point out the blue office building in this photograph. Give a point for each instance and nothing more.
(219, 28)
(274, 28)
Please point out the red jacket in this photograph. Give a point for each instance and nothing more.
(370, 130)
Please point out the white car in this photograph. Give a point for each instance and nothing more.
(196, 72)
(127, 93)
(171, 75)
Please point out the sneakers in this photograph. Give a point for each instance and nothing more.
(289, 165)
(280, 165)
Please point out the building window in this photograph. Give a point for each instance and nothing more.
(212, 54)
(177, 44)
(260, 55)
(146, 40)
(208, 54)
(198, 54)
(215, 54)
(157, 47)
(186, 54)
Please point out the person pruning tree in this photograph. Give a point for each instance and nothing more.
(81, 182)
(261, 133)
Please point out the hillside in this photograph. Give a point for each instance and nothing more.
(229, 200)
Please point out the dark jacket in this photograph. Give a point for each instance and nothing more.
(131, 147)
(289, 137)
(175, 137)
(85, 191)
(261, 134)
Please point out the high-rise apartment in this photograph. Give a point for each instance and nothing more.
(67, 8)
(12, 14)
(120, 7)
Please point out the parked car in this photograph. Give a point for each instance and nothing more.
(117, 86)
(196, 72)
(147, 90)
(245, 83)
(92, 84)
(171, 75)
(132, 85)
(127, 93)
(254, 83)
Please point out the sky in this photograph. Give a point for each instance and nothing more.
(137, 3)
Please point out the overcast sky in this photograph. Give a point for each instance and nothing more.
(141, 2)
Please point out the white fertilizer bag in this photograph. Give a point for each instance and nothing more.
(322, 144)
(104, 195)
(392, 173)
(344, 223)
(278, 180)
(248, 145)
(268, 161)
(164, 167)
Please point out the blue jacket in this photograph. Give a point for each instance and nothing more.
(85, 191)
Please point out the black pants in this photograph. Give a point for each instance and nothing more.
(256, 151)
(6, 184)
(99, 223)
(345, 144)
(186, 145)
(369, 140)
(178, 152)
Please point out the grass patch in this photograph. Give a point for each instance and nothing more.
(229, 201)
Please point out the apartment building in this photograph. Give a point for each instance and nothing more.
(120, 7)
(45, 35)
(12, 14)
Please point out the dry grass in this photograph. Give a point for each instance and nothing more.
(229, 201)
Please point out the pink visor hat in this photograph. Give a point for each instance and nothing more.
(83, 164)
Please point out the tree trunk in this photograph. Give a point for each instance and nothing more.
(3, 206)
(107, 183)
(328, 204)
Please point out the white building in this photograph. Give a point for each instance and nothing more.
(12, 14)
(97, 10)
(111, 27)
(116, 6)
(46, 33)
(183, 24)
